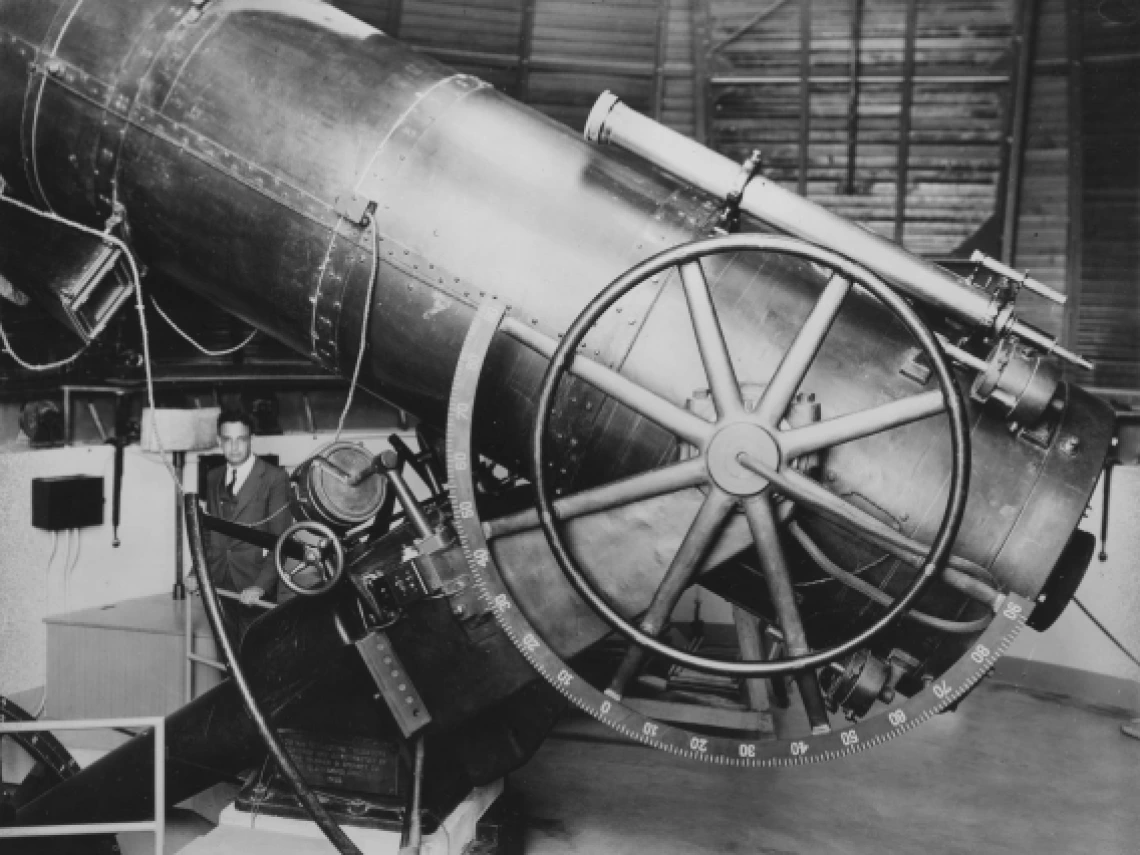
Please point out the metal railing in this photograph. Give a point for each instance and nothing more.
(188, 633)
(157, 825)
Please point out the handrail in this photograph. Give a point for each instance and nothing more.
(157, 825)
(188, 637)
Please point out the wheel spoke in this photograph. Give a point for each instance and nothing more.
(751, 649)
(807, 492)
(816, 437)
(710, 341)
(762, 521)
(668, 415)
(688, 473)
(966, 576)
(301, 566)
(798, 359)
(700, 536)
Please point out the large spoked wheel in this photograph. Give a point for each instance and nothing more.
(744, 457)
(324, 557)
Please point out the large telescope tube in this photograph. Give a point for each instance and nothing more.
(247, 144)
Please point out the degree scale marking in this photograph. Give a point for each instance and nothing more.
(842, 741)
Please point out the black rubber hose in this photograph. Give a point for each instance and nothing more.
(316, 810)
(882, 597)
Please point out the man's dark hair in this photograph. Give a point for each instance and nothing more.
(229, 416)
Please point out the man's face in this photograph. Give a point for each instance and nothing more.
(234, 439)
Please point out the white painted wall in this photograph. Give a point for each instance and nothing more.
(1111, 591)
(35, 584)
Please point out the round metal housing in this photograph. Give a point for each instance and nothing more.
(323, 495)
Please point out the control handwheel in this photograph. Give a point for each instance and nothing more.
(324, 558)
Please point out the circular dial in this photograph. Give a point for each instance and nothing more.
(953, 684)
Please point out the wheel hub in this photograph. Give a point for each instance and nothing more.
(724, 452)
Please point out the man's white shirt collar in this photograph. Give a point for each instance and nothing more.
(242, 473)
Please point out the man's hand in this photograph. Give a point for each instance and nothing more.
(251, 594)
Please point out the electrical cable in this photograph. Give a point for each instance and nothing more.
(136, 283)
(363, 327)
(136, 279)
(51, 559)
(51, 366)
(1107, 634)
(28, 366)
(66, 568)
(878, 596)
(48, 366)
(69, 571)
(47, 604)
(186, 336)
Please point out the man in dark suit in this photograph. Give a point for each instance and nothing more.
(250, 491)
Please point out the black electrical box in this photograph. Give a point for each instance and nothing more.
(70, 501)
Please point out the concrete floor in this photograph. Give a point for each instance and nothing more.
(1007, 773)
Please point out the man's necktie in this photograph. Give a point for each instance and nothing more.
(230, 483)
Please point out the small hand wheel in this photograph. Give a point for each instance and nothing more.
(326, 556)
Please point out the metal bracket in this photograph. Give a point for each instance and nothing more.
(1018, 279)
(1018, 380)
(197, 8)
(406, 584)
(118, 215)
(355, 208)
(395, 685)
(729, 217)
